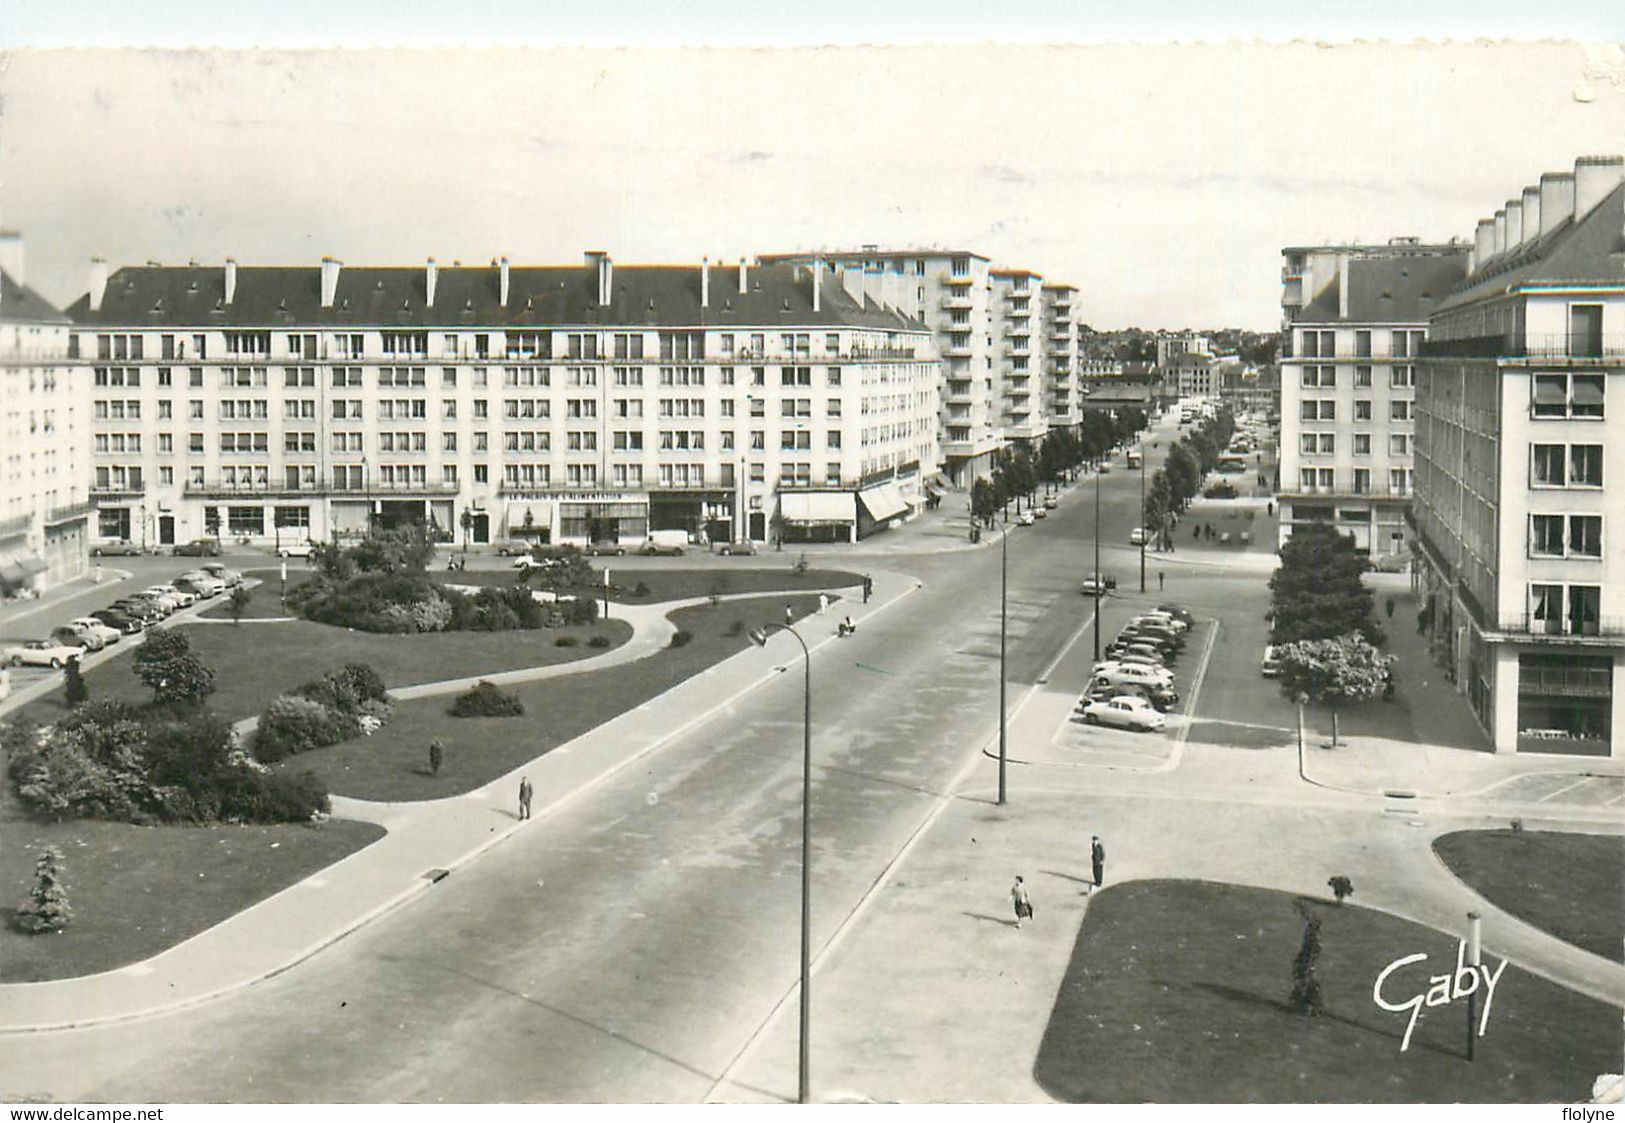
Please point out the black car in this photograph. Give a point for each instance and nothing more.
(121, 547)
(198, 548)
(143, 610)
(1170, 645)
(123, 621)
(1178, 612)
(1162, 698)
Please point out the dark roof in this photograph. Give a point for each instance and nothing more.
(876, 253)
(1117, 395)
(21, 304)
(546, 296)
(1388, 290)
(1590, 249)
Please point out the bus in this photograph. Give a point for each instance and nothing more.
(1133, 461)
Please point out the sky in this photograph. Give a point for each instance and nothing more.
(1161, 180)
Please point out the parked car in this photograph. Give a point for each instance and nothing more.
(742, 549)
(116, 547)
(1125, 658)
(129, 623)
(603, 549)
(105, 631)
(1098, 585)
(511, 547)
(1050, 503)
(169, 599)
(77, 637)
(1139, 536)
(1114, 673)
(144, 609)
(1270, 665)
(1152, 632)
(1040, 513)
(198, 548)
(1220, 490)
(296, 549)
(1165, 619)
(219, 572)
(183, 598)
(1133, 649)
(1178, 612)
(1162, 697)
(1105, 469)
(1127, 711)
(199, 584)
(40, 653)
(529, 561)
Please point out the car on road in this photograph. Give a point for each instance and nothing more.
(1050, 503)
(1040, 513)
(1270, 665)
(107, 633)
(116, 547)
(220, 573)
(603, 550)
(1390, 563)
(1127, 711)
(510, 547)
(1220, 490)
(1114, 673)
(1098, 585)
(742, 549)
(1105, 469)
(77, 637)
(530, 561)
(40, 653)
(1025, 519)
(296, 549)
(129, 623)
(199, 584)
(198, 548)
(1139, 536)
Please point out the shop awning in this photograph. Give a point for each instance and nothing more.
(32, 563)
(541, 514)
(883, 502)
(824, 507)
(1549, 391)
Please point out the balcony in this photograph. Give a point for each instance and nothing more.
(957, 302)
(56, 516)
(219, 490)
(879, 351)
(1565, 628)
(957, 351)
(1018, 331)
(129, 491)
(1574, 346)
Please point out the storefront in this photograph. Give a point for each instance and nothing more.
(818, 516)
(880, 507)
(703, 514)
(603, 519)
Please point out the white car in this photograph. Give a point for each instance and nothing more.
(1040, 513)
(230, 577)
(1025, 519)
(528, 561)
(1113, 673)
(1165, 619)
(200, 584)
(1095, 586)
(1128, 711)
(1270, 665)
(181, 597)
(170, 600)
(1138, 536)
(94, 626)
(41, 653)
(295, 549)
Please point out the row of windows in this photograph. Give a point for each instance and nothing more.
(1404, 343)
(1324, 480)
(1399, 377)
(1325, 444)
(1565, 536)
(1325, 409)
(584, 440)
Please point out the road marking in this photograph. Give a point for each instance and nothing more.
(1565, 788)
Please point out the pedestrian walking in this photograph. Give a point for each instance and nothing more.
(789, 616)
(1196, 532)
(1269, 509)
(525, 793)
(1097, 861)
(437, 756)
(868, 587)
(823, 603)
(1023, 903)
(1160, 577)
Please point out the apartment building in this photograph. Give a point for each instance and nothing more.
(577, 404)
(1019, 349)
(1354, 319)
(44, 438)
(1062, 388)
(1518, 509)
(1171, 347)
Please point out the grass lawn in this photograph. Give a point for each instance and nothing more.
(138, 890)
(681, 584)
(1571, 885)
(1177, 993)
(253, 663)
(393, 763)
(266, 598)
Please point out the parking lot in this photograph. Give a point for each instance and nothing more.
(1556, 788)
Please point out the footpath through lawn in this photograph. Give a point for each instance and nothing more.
(660, 584)
(1571, 885)
(1177, 992)
(393, 764)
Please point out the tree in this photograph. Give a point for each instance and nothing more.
(1341, 887)
(46, 909)
(74, 689)
(1183, 475)
(984, 501)
(165, 663)
(238, 603)
(1306, 995)
(1318, 591)
(1333, 672)
(467, 523)
(402, 550)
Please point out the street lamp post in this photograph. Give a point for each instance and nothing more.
(758, 636)
(1098, 576)
(1004, 585)
(1145, 531)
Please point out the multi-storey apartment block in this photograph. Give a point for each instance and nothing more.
(1355, 317)
(1062, 389)
(44, 437)
(1018, 354)
(1519, 466)
(575, 404)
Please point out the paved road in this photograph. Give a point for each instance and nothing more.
(630, 945)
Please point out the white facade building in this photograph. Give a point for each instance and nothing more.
(576, 404)
(44, 437)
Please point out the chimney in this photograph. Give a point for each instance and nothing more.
(818, 283)
(11, 255)
(1594, 178)
(430, 276)
(705, 282)
(98, 282)
(1556, 199)
(1484, 241)
(599, 260)
(1531, 213)
(1514, 223)
(502, 282)
(1500, 232)
(1343, 287)
(231, 280)
(330, 280)
(744, 283)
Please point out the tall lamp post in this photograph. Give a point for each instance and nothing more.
(758, 636)
(1004, 584)
(1098, 577)
(1145, 531)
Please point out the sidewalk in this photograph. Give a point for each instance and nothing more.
(426, 842)
(13, 614)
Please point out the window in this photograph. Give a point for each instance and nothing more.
(1399, 444)
(1585, 536)
(1399, 481)
(1401, 377)
(1362, 345)
(1362, 375)
(1362, 410)
(1585, 465)
(1546, 467)
(482, 474)
(833, 439)
(1306, 479)
(1362, 481)
(1399, 410)
(1567, 395)
(1307, 443)
(833, 376)
(1545, 536)
(1362, 444)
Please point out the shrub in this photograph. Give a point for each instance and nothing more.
(295, 724)
(566, 641)
(276, 797)
(681, 638)
(598, 641)
(238, 603)
(581, 611)
(75, 691)
(641, 589)
(165, 664)
(485, 699)
(46, 909)
(1307, 998)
